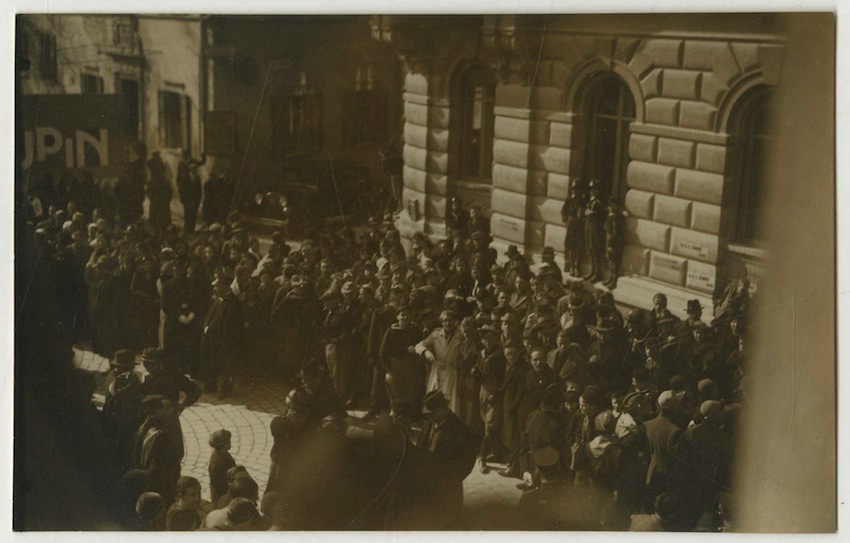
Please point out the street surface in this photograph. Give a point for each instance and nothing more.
(489, 500)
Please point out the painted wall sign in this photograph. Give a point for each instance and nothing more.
(73, 132)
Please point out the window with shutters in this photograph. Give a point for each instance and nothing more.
(297, 127)
(472, 123)
(175, 120)
(609, 109)
(91, 84)
(47, 61)
(365, 117)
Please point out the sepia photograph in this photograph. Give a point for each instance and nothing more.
(446, 272)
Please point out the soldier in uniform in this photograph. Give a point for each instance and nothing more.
(573, 216)
(614, 242)
(490, 372)
(594, 232)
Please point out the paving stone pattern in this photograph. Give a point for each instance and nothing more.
(247, 414)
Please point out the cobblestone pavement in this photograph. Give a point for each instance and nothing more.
(247, 413)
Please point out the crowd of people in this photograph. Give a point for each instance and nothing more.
(636, 413)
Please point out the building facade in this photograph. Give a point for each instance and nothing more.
(153, 60)
(305, 93)
(671, 114)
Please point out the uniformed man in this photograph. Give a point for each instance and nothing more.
(594, 231)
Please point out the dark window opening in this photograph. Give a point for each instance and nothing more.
(297, 124)
(473, 123)
(174, 120)
(365, 117)
(609, 110)
(91, 84)
(753, 137)
(130, 89)
(47, 61)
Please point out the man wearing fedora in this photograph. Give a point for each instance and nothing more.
(452, 448)
(223, 331)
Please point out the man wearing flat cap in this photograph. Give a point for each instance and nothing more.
(490, 371)
(222, 336)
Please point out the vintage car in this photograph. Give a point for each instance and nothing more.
(309, 196)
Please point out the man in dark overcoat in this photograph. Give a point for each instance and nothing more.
(221, 340)
(189, 187)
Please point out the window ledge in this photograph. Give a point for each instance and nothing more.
(747, 250)
(474, 184)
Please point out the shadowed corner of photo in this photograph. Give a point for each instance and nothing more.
(787, 473)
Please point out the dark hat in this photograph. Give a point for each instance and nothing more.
(594, 184)
(123, 359)
(488, 329)
(481, 235)
(433, 401)
(576, 301)
(548, 251)
(694, 305)
(241, 510)
(512, 251)
(149, 505)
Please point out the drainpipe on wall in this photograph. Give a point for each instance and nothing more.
(142, 87)
(203, 81)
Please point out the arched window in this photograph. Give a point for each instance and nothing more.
(608, 109)
(752, 137)
(472, 120)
